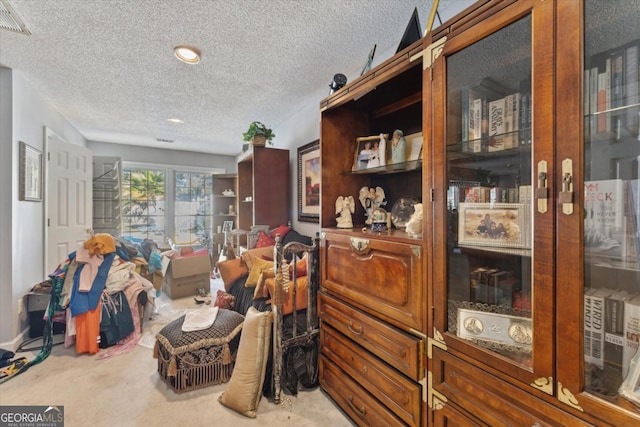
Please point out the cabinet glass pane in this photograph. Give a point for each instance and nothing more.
(489, 156)
(612, 200)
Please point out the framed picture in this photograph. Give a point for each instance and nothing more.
(368, 152)
(500, 225)
(227, 226)
(309, 182)
(414, 146)
(30, 173)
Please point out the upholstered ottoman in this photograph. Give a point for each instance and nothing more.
(197, 359)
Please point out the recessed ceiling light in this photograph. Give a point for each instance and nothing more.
(176, 121)
(187, 54)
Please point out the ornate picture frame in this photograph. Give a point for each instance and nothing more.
(30, 178)
(227, 226)
(309, 182)
(508, 228)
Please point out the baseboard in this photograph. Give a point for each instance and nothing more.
(15, 343)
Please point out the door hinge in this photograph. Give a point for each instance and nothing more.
(48, 222)
(433, 195)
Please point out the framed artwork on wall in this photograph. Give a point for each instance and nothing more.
(309, 182)
(30, 173)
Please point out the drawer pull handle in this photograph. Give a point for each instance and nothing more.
(358, 332)
(360, 246)
(362, 411)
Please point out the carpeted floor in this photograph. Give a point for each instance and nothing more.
(125, 390)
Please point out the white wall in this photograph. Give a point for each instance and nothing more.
(24, 117)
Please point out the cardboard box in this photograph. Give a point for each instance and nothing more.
(183, 276)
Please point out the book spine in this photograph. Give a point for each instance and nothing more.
(593, 98)
(597, 331)
(464, 114)
(631, 80)
(607, 92)
(477, 118)
(587, 326)
(631, 333)
(496, 124)
(617, 79)
(587, 101)
(613, 341)
(602, 103)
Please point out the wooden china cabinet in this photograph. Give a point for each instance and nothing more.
(372, 301)
(533, 236)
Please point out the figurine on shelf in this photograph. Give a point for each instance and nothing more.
(398, 147)
(345, 206)
(414, 226)
(371, 198)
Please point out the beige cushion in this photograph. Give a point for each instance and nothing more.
(244, 389)
(257, 267)
(251, 254)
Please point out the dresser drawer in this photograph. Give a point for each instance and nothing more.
(401, 395)
(380, 276)
(359, 405)
(399, 349)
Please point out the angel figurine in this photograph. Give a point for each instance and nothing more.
(345, 206)
(371, 198)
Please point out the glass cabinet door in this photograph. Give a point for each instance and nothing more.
(611, 200)
(495, 277)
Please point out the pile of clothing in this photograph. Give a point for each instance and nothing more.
(101, 293)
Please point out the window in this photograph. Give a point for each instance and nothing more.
(143, 204)
(162, 203)
(193, 207)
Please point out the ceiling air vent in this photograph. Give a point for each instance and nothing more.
(9, 19)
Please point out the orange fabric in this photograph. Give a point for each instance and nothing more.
(301, 294)
(88, 330)
(101, 243)
(231, 270)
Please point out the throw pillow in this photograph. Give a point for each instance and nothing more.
(281, 230)
(231, 270)
(264, 240)
(261, 288)
(225, 300)
(244, 389)
(249, 255)
(257, 266)
(301, 267)
(301, 295)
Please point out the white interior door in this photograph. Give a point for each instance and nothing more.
(68, 207)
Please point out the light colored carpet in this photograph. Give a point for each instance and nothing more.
(125, 390)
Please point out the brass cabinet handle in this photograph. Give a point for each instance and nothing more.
(358, 332)
(566, 195)
(542, 191)
(362, 411)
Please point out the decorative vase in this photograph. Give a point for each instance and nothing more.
(259, 140)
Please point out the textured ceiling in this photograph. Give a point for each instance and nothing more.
(108, 66)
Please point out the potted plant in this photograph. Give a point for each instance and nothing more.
(258, 134)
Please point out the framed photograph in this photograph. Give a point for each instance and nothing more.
(369, 154)
(309, 182)
(500, 225)
(227, 226)
(30, 173)
(414, 146)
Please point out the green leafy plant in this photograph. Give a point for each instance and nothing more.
(258, 129)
